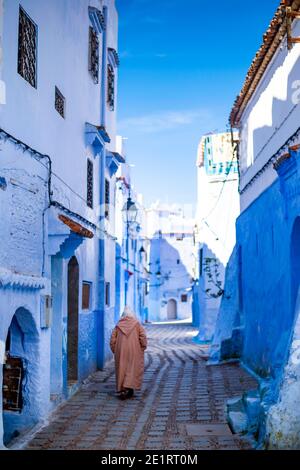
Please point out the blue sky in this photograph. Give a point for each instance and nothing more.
(182, 65)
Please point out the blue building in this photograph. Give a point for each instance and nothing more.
(259, 322)
(57, 209)
(132, 253)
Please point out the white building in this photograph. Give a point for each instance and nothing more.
(57, 185)
(172, 263)
(217, 210)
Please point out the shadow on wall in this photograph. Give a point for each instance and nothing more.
(265, 133)
(169, 297)
(227, 341)
(208, 294)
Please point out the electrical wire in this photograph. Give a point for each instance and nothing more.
(222, 188)
(38, 156)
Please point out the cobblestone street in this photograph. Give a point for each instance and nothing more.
(181, 405)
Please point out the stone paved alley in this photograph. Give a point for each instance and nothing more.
(180, 400)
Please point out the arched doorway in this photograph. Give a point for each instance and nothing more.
(72, 325)
(295, 263)
(172, 309)
(20, 396)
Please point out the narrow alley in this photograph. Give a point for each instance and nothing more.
(149, 189)
(181, 405)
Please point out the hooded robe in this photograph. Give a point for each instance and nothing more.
(128, 343)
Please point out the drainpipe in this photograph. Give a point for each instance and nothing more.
(101, 323)
(104, 70)
(2, 101)
(2, 83)
(101, 315)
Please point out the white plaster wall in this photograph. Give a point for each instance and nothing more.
(270, 118)
(2, 83)
(112, 41)
(217, 210)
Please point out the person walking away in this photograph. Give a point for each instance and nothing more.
(128, 343)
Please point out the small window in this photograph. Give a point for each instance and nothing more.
(94, 54)
(178, 261)
(13, 378)
(60, 102)
(107, 294)
(107, 198)
(86, 295)
(27, 48)
(201, 262)
(110, 87)
(90, 183)
(184, 298)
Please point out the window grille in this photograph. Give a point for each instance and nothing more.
(110, 87)
(107, 198)
(94, 54)
(86, 295)
(184, 298)
(90, 183)
(107, 294)
(13, 372)
(27, 48)
(60, 102)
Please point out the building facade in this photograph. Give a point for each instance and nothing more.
(171, 263)
(216, 213)
(132, 250)
(265, 268)
(57, 188)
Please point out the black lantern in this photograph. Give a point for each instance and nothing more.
(130, 211)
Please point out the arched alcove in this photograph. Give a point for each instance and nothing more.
(20, 398)
(295, 265)
(172, 309)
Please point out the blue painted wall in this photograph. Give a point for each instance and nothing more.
(87, 350)
(265, 243)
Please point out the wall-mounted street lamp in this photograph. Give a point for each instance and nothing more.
(129, 212)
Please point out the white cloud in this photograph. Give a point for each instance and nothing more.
(127, 54)
(161, 55)
(163, 121)
(151, 20)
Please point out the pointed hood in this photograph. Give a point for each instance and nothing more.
(127, 324)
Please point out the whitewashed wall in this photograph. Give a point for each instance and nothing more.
(270, 118)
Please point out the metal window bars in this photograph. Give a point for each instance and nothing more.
(90, 184)
(94, 54)
(60, 102)
(110, 87)
(27, 48)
